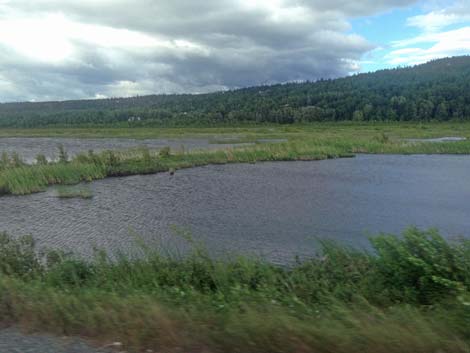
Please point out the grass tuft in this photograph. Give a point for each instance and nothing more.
(70, 193)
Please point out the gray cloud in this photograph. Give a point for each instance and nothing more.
(188, 45)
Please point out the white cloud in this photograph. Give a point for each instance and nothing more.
(437, 19)
(436, 39)
(443, 44)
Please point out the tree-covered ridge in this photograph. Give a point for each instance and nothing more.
(438, 90)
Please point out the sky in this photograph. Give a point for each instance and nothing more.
(80, 49)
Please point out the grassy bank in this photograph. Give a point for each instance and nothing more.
(311, 142)
(24, 179)
(411, 295)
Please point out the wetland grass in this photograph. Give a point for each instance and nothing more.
(305, 143)
(253, 132)
(27, 179)
(66, 192)
(410, 295)
(35, 178)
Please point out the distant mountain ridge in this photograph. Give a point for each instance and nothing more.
(438, 90)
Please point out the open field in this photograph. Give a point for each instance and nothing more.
(304, 142)
(253, 132)
(410, 296)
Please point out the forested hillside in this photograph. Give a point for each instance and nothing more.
(438, 90)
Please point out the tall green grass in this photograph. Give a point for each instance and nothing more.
(30, 179)
(411, 294)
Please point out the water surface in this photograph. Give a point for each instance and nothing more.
(272, 209)
(29, 147)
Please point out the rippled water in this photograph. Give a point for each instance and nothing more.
(273, 209)
(29, 148)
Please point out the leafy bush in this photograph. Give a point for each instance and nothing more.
(18, 256)
(63, 155)
(41, 159)
(164, 152)
(422, 267)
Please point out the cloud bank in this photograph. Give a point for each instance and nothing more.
(52, 49)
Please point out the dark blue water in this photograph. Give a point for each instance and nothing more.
(272, 209)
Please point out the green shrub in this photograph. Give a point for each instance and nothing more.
(164, 152)
(66, 192)
(63, 155)
(41, 159)
(18, 256)
(421, 266)
(68, 272)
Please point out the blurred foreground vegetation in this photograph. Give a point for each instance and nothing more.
(411, 294)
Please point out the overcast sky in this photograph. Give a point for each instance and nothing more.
(56, 49)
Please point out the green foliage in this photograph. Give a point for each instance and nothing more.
(74, 192)
(407, 296)
(16, 161)
(110, 158)
(5, 161)
(164, 152)
(12, 161)
(310, 142)
(421, 267)
(145, 154)
(438, 90)
(383, 138)
(86, 167)
(41, 159)
(35, 178)
(68, 272)
(18, 257)
(63, 155)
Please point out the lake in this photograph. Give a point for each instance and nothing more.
(276, 210)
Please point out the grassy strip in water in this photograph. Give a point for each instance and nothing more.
(64, 192)
(27, 179)
(310, 142)
(411, 295)
(30, 179)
